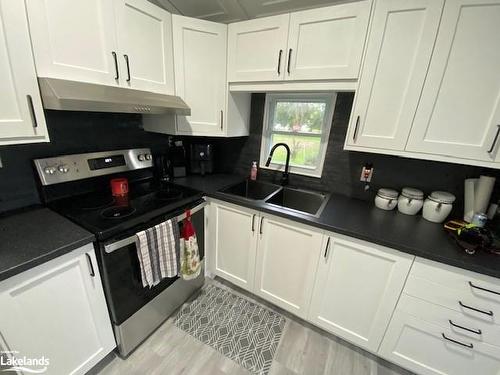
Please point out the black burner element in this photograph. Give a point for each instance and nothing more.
(118, 212)
(94, 202)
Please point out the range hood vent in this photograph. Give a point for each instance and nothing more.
(65, 95)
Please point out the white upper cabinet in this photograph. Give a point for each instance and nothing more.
(459, 112)
(399, 48)
(357, 287)
(327, 43)
(287, 255)
(323, 43)
(200, 74)
(144, 34)
(21, 114)
(74, 39)
(257, 49)
(121, 42)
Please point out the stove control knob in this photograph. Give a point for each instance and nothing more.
(50, 170)
(141, 157)
(63, 168)
(148, 156)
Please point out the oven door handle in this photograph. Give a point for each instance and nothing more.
(109, 248)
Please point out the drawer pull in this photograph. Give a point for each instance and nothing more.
(470, 346)
(489, 312)
(476, 331)
(480, 288)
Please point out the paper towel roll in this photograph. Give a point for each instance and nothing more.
(482, 193)
(469, 188)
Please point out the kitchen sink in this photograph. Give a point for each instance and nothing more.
(254, 190)
(302, 201)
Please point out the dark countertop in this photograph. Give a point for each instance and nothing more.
(361, 219)
(35, 236)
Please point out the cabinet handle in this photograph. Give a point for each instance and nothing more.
(127, 63)
(260, 228)
(480, 288)
(32, 110)
(279, 61)
(470, 346)
(494, 140)
(327, 248)
(289, 59)
(91, 266)
(253, 223)
(117, 76)
(221, 119)
(489, 312)
(476, 331)
(355, 134)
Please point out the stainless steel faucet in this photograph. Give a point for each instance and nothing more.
(284, 178)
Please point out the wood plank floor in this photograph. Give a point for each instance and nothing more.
(304, 349)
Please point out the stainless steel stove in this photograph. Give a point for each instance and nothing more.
(78, 187)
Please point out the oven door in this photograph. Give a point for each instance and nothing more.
(121, 271)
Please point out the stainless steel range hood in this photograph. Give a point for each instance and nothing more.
(68, 95)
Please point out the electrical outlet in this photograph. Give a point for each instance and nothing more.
(366, 173)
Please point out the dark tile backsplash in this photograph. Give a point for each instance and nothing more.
(70, 132)
(75, 132)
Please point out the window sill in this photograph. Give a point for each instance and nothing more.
(292, 170)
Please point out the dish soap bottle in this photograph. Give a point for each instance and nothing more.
(253, 171)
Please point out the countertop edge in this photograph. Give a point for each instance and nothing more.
(20, 268)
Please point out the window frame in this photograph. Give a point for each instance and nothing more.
(270, 104)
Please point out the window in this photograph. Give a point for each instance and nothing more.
(303, 122)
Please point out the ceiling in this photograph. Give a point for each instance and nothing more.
(227, 11)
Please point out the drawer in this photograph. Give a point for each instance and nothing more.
(472, 294)
(456, 278)
(420, 346)
(463, 326)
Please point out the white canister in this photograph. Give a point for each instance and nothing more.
(386, 199)
(438, 206)
(410, 201)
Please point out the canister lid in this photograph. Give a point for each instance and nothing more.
(442, 197)
(412, 193)
(387, 193)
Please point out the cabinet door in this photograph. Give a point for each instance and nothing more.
(421, 347)
(73, 39)
(21, 113)
(58, 310)
(287, 255)
(398, 53)
(327, 43)
(257, 49)
(235, 242)
(356, 290)
(200, 74)
(459, 111)
(144, 34)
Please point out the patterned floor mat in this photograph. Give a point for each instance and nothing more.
(240, 329)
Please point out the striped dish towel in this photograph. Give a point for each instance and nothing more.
(158, 251)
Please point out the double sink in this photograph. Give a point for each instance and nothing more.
(291, 199)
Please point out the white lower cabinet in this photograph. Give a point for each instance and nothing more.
(58, 310)
(235, 241)
(445, 322)
(430, 349)
(287, 256)
(357, 287)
